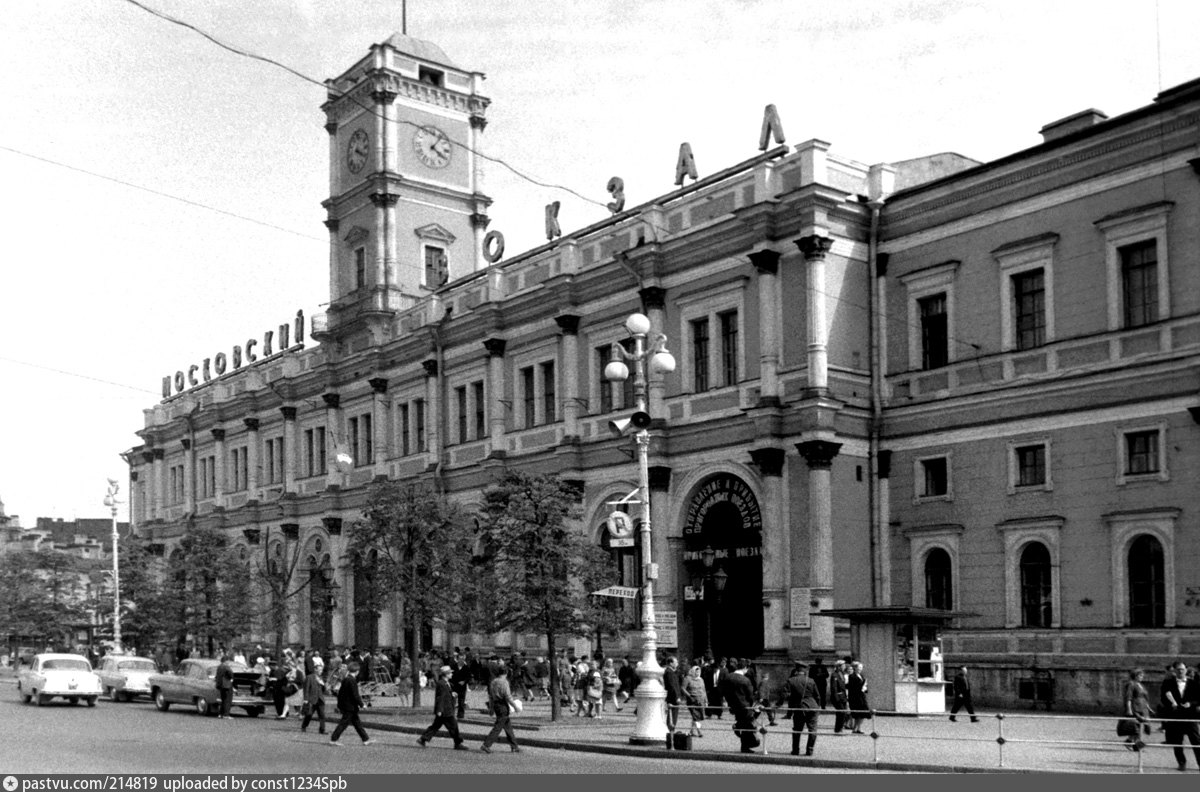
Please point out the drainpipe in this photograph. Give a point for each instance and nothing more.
(873, 330)
(440, 356)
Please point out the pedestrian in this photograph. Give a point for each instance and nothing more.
(711, 672)
(695, 695)
(502, 704)
(739, 695)
(541, 676)
(594, 692)
(608, 677)
(349, 703)
(962, 696)
(314, 700)
(279, 693)
(819, 673)
(674, 687)
(1179, 700)
(628, 679)
(856, 688)
(444, 707)
(460, 679)
(1137, 711)
(801, 694)
(224, 683)
(839, 697)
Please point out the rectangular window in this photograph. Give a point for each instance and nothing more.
(549, 411)
(528, 396)
(1029, 304)
(460, 403)
(239, 470)
(1139, 282)
(603, 357)
(208, 476)
(935, 478)
(700, 355)
(419, 425)
(362, 444)
(360, 267)
(480, 410)
(274, 454)
(729, 348)
(1031, 465)
(1141, 452)
(436, 270)
(934, 338)
(405, 429)
(314, 451)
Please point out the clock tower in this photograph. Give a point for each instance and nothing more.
(405, 210)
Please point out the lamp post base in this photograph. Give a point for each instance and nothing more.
(651, 725)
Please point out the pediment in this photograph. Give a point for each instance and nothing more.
(355, 235)
(434, 233)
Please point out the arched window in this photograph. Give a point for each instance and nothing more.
(939, 589)
(1147, 583)
(1037, 609)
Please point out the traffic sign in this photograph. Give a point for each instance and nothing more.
(624, 592)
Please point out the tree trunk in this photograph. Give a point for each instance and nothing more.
(552, 657)
(414, 649)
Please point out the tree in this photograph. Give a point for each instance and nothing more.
(541, 562)
(146, 616)
(413, 542)
(275, 572)
(207, 588)
(44, 595)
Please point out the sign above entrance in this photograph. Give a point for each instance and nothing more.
(724, 552)
(722, 500)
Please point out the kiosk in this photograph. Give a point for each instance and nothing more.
(901, 652)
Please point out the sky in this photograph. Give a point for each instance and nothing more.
(162, 198)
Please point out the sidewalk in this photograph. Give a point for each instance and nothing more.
(1031, 742)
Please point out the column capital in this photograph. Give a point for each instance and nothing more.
(814, 246)
(478, 122)
(288, 413)
(332, 224)
(479, 220)
(568, 323)
(384, 199)
(252, 535)
(378, 384)
(186, 442)
(147, 457)
(383, 97)
(660, 478)
(251, 424)
(290, 530)
(333, 525)
(159, 453)
(769, 461)
(495, 346)
(653, 297)
(331, 128)
(431, 367)
(818, 454)
(332, 400)
(218, 434)
(765, 261)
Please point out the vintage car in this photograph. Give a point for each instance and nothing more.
(68, 676)
(194, 684)
(125, 677)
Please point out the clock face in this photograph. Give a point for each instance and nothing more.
(432, 146)
(357, 151)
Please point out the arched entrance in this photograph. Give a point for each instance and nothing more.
(723, 561)
(320, 601)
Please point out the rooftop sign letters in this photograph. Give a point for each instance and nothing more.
(273, 344)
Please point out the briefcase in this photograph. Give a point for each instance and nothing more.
(682, 742)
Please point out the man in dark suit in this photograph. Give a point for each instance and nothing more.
(1179, 701)
(738, 691)
(224, 682)
(820, 675)
(460, 678)
(443, 711)
(962, 696)
(839, 696)
(349, 703)
(674, 687)
(802, 702)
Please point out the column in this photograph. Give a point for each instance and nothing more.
(495, 389)
(433, 409)
(335, 156)
(380, 434)
(334, 264)
(814, 247)
(770, 326)
(653, 301)
(668, 585)
(290, 444)
(189, 474)
(291, 537)
(569, 373)
(218, 436)
(149, 487)
(160, 482)
(342, 577)
(252, 472)
(479, 220)
(385, 243)
(819, 455)
(776, 546)
(883, 536)
(335, 440)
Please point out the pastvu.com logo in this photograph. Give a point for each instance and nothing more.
(10, 783)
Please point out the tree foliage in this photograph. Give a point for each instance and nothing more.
(541, 564)
(411, 542)
(207, 589)
(44, 595)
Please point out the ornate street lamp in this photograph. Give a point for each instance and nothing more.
(651, 727)
(111, 500)
(708, 556)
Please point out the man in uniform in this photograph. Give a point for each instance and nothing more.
(803, 703)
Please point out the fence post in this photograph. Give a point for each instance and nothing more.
(1000, 736)
(874, 740)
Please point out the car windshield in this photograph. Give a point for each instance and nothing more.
(66, 664)
(137, 665)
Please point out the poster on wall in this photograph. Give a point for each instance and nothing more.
(667, 627)
(801, 607)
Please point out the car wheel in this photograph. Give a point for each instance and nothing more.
(91, 701)
(254, 712)
(24, 696)
(73, 699)
(39, 699)
(201, 705)
(113, 695)
(161, 702)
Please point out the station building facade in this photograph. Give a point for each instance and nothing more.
(941, 383)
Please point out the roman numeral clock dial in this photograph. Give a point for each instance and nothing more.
(432, 146)
(357, 151)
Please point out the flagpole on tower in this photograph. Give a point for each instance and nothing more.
(404, 17)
